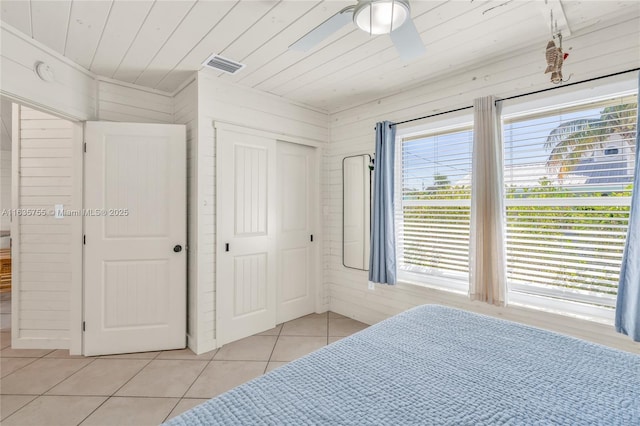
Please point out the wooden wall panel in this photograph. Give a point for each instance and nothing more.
(120, 102)
(185, 111)
(73, 91)
(220, 102)
(47, 251)
(352, 132)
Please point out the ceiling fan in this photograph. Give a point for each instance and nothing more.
(375, 17)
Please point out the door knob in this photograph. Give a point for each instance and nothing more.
(177, 248)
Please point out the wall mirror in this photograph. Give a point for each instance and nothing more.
(356, 213)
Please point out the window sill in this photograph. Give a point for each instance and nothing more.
(563, 307)
(434, 282)
(518, 299)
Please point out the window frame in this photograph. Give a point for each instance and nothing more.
(520, 106)
(548, 299)
(455, 122)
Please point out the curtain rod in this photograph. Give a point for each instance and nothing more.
(567, 85)
(521, 95)
(432, 115)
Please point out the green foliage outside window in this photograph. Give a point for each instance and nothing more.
(437, 236)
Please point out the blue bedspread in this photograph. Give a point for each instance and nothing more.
(434, 365)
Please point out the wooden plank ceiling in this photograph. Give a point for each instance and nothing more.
(158, 44)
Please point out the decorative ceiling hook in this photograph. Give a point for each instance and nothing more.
(560, 40)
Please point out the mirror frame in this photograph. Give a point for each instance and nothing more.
(343, 201)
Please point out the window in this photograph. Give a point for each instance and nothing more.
(433, 192)
(568, 176)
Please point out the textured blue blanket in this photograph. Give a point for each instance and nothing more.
(434, 365)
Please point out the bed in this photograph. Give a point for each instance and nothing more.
(435, 365)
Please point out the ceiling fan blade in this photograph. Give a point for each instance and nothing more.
(407, 41)
(323, 30)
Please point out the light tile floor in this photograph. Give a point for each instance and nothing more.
(42, 387)
(5, 310)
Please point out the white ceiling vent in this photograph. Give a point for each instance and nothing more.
(223, 64)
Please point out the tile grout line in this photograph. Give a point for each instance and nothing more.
(191, 385)
(15, 371)
(41, 356)
(174, 406)
(70, 376)
(328, 323)
(114, 392)
(47, 390)
(19, 409)
(149, 361)
(99, 396)
(274, 347)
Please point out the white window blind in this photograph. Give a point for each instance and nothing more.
(568, 176)
(433, 191)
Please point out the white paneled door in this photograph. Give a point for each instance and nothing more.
(135, 230)
(246, 224)
(296, 219)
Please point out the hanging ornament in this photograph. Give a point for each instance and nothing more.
(554, 55)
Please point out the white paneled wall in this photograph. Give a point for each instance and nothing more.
(228, 103)
(73, 91)
(48, 309)
(5, 121)
(78, 94)
(206, 207)
(5, 188)
(352, 132)
(125, 102)
(5, 162)
(47, 251)
(186, 112)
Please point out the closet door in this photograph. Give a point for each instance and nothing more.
(296, 218)
(246, 232)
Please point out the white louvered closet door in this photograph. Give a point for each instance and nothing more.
(246, 226)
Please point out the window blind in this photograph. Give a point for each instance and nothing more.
(434, 194)
(568, 177)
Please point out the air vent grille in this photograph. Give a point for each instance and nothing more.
(223, 64)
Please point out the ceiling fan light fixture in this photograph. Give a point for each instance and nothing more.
(380, 16)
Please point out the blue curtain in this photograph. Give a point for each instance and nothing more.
(382, 256)
(628, 304)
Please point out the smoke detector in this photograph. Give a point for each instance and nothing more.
(219, 63)
(44, 71)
